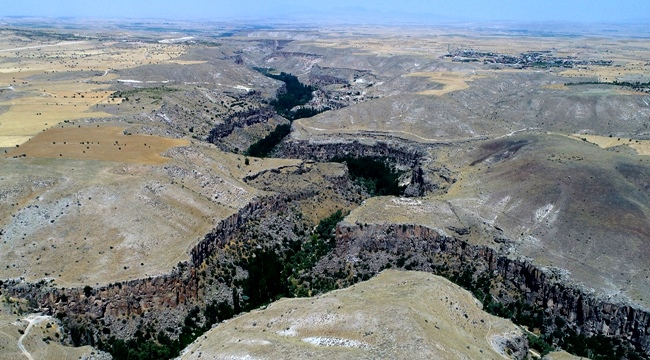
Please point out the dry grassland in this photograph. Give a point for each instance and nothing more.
(437, 43)
(41, 341)
(386, 42)
(42, 84)
(40, 107)
(187, 62)
(452, 81)
(107, 143)
(630, 57)
(384, 47)
(642, 147)
(114, 221)
(631, 71)
(384, 317)
(108, 223)
(555, 87)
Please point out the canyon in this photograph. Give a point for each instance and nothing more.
(506, 190)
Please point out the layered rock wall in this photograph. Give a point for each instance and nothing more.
(306, 150)
(360, 249)
(227, 228)
(166, 298)
(240, 120)
(584, 312)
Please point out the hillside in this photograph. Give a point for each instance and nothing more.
(382, 318)
(566, 204)
(133, 218)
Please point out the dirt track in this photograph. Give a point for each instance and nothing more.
(32, 320)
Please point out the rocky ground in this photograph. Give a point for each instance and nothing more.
(510, 196)
(381, 318)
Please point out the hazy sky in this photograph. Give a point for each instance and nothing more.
(522, 10)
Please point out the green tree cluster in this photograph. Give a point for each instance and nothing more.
(264, 146)
(149, 345)
(296, 94)
(375, 174)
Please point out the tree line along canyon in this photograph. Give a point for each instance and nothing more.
(184, 190)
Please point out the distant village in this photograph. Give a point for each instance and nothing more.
(538, 59)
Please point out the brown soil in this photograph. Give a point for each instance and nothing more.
(97, 143)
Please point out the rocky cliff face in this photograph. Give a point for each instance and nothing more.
(114, 309)
(404, 157)
(228, 228)
(117, 300)
(240, 119)
(323, 76)
(401, 155)
(163, 300)
(363, 251)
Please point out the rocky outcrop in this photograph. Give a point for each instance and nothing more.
(117, 300)
(228, 228)
(324, 151)
(418, 186)
(114, 309)
(404, 157)
(322, 76)
(164, 299)
(368, 249)
(297, 54)
(361, 251)
(240, 120)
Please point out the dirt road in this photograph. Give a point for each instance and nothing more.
(33, 320)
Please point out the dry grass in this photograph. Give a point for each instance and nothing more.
(630, 53)
(40, 349)
(389, 42)
(107, 143)
(9, 330)
(46, 95)
(555, 87)
(115, 221)
(642, 147)
(630, 71)
(34, 341)
(85, 55)
(29, 115)
(384, 317)
(452, 81)
(187, 62)
(564, 203)
(110, 223)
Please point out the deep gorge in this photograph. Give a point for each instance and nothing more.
(211, 287)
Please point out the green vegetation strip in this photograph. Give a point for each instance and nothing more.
(375, 174)
(264, 146)
(296, 94)
(637, 85)
(151, 92)
(263, 284)
(270, 277)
